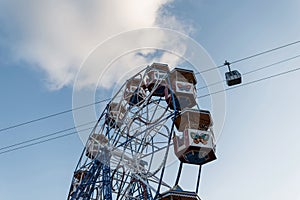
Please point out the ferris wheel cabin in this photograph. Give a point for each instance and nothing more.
(183, 87)
(156, 79)
(79, 176)
(194, 144)
(94, 144)
(134, 93)
(114, 117)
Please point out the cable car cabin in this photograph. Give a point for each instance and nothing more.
(134, 92)
(183, 85)
(94, 144)
(195, 142)
(233, 78)
(114, 117)
(177, 193)
(156, 78)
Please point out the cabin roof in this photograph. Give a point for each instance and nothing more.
(160, 66)
(179, 192)
(193, 117)
(186, 73)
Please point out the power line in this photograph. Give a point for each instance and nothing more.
(252, 71)
(251, 56)
(251, 82)
(47, 140)
(242, 85)
(40, 142)
(276, 63)
(265, 52)
(101, 101)
(52, 115)
(45, 136)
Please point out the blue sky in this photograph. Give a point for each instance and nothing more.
(42, 46)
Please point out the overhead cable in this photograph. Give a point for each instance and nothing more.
(105, 100)
(213, 93)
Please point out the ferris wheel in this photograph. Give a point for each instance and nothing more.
(154, 112)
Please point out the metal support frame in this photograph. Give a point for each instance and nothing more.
(227, 64)
(178, 174)
(106, 180)
(198, 179)
(164, 167)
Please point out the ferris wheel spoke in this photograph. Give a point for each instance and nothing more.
(155, 180)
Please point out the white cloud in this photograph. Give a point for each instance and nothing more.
(57, 35)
